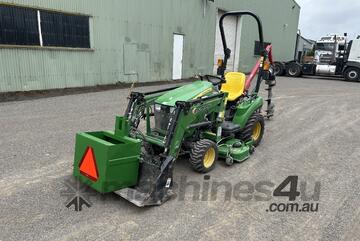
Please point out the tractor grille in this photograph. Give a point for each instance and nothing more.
(326, 58)
(163, 115)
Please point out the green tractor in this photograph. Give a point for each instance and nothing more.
(215, 117)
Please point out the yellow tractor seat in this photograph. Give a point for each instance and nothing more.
(234, 86)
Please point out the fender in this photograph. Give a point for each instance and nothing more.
(246, 109)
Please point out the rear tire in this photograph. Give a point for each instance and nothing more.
(293, 70)
(279, 69)
(254, 129)
(203, 156)
(352, 74)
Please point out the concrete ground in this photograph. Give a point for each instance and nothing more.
(314, 135)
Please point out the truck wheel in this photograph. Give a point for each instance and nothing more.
(293, 70)
(203, 156)
(279, 69)
(254, 129)
(352, 74)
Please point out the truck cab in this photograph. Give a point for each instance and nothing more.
(329, 48)
(334, 56)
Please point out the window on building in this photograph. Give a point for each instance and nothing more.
(20, 26)
(65, 30)
(257, 47)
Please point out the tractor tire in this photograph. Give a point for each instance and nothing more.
(279, 69)
(352, 74)
(254, 129)
(293, 70)
(203, 156)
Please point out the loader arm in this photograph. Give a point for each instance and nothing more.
(154, 186)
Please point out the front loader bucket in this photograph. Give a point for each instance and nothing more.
(106, 162)
(154, 187)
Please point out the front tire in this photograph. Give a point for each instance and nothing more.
(352, 74)
(203, 156)
(254, 129)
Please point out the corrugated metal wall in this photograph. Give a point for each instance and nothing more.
(280, 20)
(132, 40)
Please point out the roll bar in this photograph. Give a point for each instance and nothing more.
(227, 51)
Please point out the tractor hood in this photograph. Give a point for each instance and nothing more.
(186, 93)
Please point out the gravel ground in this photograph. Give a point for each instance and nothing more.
(315, 135)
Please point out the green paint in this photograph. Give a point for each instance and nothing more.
(239, 154)
(194, 115)
(186, 93)
(117, 159)
(246, 109)
(118, 155)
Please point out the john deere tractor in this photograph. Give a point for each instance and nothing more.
(214, 118)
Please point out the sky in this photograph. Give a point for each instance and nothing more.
(321, 17)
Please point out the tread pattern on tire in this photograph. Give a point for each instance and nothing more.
(246, 134)
(197, 155)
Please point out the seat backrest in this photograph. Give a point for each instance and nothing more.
(234, 86)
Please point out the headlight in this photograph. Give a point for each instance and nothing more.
(157, 107)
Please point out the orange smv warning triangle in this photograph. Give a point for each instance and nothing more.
(88, 165)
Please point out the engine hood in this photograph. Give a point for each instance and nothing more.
(186, 93)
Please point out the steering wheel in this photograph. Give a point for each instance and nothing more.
(215, 80)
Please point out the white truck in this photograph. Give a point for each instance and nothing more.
(334, 56)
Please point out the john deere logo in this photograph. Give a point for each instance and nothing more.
(200, 109)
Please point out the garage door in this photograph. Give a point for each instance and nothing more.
(230, 25)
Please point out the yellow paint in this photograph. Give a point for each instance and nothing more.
(222, 115)
(203, 93)
(267, 65)
(234, 86)
(209, 158)
(220, 62)
(256, 131)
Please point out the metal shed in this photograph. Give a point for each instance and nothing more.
(133, 40)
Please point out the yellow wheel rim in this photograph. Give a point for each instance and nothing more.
(256, 131)
(209, 158)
